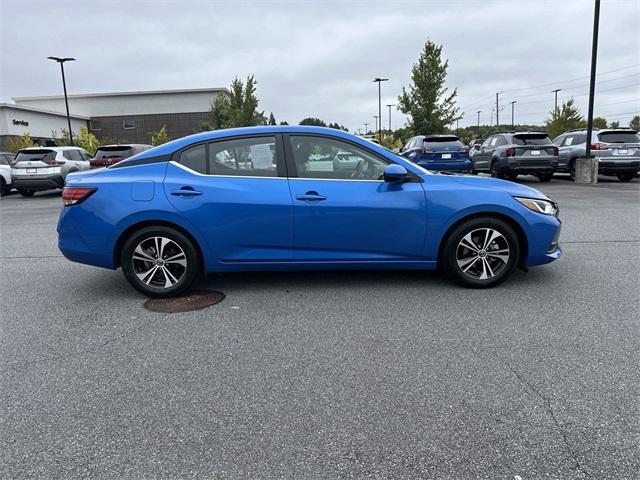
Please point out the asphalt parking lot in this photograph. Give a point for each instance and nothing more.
(327, 375)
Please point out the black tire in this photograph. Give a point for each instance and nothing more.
(572, 169)
(626, 177)
(26, 193)
(513, 177)
(186, 276)
(453, 253)
(545, 177)
(4, 188)
(496, 171)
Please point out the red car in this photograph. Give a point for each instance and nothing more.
(110, 154)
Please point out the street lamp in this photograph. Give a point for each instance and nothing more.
(64, 86)
(377, 117)
(390, 105)
(556, 102)
(379, 81)
(478, 131)
(366, 128)
(513, 102)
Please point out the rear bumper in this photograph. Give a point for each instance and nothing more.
(447, 165)
(528, 166)
(616, 165)
(38, 183)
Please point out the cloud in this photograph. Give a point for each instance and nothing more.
(318, 58)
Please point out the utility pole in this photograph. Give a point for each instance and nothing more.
(379, 81)
(390, 105)
(592, 83)
(457, 128)
(555, 107)
(513, 102)
(497, 108)
(478, 132)
(64, 86)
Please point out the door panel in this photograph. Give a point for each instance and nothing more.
(358, 220)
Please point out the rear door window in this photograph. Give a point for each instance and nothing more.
(248, 157)
(619, 137)
(531, 139)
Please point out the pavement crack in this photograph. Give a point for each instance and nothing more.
(559, 427)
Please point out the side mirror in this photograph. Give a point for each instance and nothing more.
(395, 173)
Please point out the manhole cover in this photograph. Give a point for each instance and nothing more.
(186, 303)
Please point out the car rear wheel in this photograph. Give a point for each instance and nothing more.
(496, 171)
(545, 177)
(26, 193)
(572, 169)
(160, 262)
(626, 177)
(481, 253)
(4, 188)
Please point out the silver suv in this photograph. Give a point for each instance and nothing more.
(617, 151)
(46, 168)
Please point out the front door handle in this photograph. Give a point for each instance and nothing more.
(311, 197)
(186, 192)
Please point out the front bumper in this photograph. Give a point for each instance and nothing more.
(37, 183)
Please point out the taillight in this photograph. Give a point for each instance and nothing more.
(511, 152)
(76, 195)
(464, 151)
(556, 151)
(599, 146)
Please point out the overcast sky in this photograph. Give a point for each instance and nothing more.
(317, 58)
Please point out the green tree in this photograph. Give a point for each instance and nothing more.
(427, 101)
(563, 118)
(239, 109)
(337, 126)
(391, 142)
(159, 137)
(18, 143)
(635, 123)
(614, 124)
(599, 122)
(284, 123)
(272, 119)
(87, 140)
(316, 122)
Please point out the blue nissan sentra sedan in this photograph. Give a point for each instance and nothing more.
(266, 198)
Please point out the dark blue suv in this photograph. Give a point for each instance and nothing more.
(438, 152)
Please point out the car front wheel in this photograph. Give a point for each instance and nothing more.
(545, 177)
(496, 171)
(160, 262)
(626, 177)
(26, 193)
(4, 188)
(481, 253)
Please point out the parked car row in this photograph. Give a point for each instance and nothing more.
(509, 154)
(46, 168)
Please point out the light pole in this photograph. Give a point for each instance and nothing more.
(377, 117)
(366, 128)
(592, 82)
(390, 105)
(555, 107)
(513, 102)
(64, 86)
(379, 81)
(478, 131)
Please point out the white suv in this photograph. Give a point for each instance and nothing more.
(46, 168)
(5, 172)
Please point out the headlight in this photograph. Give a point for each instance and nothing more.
(539, 206)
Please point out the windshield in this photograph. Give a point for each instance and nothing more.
(531, 139)
(35, 155)
(619, 137)
(113, 152)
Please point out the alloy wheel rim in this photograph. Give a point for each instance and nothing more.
(159, 262)
(483, 253)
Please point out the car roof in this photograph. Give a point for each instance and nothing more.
(55, 149)
(126, 145)
(170, 147)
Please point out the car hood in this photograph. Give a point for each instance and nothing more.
(514, 189)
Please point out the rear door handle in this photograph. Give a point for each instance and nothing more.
(186, 192)
(311, 197)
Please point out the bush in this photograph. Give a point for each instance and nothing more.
(23, 141)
